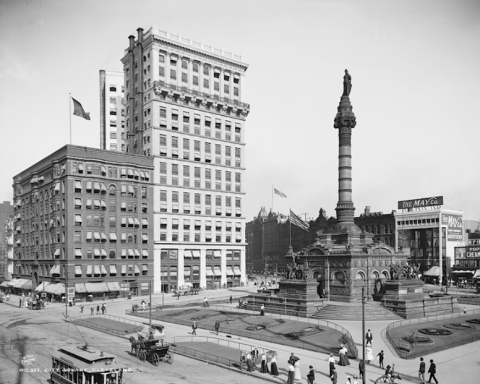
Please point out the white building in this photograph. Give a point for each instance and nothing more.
(112, 111)
(183, 107)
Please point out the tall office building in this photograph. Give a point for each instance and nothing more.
(112, 111)
(183, 107)
(84, 221)
(6, 210)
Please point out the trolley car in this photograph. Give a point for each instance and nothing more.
(83, 365)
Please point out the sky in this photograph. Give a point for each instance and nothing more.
(415, 81)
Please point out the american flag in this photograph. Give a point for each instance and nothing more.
(294, 219)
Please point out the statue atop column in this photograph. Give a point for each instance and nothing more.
(347, 83)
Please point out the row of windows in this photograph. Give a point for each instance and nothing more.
(197, 146)
(197, 130)
(175, 225)
(100, 204)
(379, 229)
(111, 253)
(101, 170)
(418, 222)
(197, 199)
(173, 254)
(164, 236)
(101, 270)
(197, 172)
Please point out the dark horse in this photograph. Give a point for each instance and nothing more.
(136, 345)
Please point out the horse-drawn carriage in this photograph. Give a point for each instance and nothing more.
(36, 304)
(153, 349)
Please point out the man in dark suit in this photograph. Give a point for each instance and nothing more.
(311, 375)
(432, 370)
(369, 337)
(421, 370)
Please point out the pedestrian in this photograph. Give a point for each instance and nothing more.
(19, 303)
(103, 310)
(91, 310)
(380, 357)
(310, 375)
(331, 363)
(255, 353)
(343, 356)
(105, 307)
(264, 366)
(273, 366)
(291, 373)
(368, 337)
(250, 363)
(334, 376)
(81, 308)
(178, 295)
(361, 368)
(262, 310)
(231, 299)
(464, 310)
(432, 370)
(205, 302)
(98, 309)
(217, 326)
(421, 370)
(388, 370)
(369, 352)
(298, 374)
(194, 328)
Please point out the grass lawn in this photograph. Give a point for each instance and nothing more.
(112, 326)
(285, 332)
(461, 333)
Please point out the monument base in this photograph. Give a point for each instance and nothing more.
(294, 297)
(407, 299)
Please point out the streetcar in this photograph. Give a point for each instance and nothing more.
(84, 365)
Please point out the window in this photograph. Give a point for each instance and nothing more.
(173, 74)
(237, 152)
(186, 144)
(184, 77)
(195, 80)
(175, 169)
(78, 236)
(184, 64)
(206, 83)
(226, 89)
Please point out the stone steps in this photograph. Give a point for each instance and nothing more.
(373, 312)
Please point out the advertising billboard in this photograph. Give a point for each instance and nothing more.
(454, 225)
(421, 203)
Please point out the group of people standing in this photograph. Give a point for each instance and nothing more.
(102, 308)
(251, 357)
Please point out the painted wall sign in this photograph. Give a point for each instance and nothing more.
(421, 203)
(454, 225)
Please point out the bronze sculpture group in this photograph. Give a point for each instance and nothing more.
(404, 272)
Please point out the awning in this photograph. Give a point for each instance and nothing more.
(124, 252)
(96, 186)
(123, 206)
(78, 219)
(124, 238)
(78, 270)
(113, 237)
(463, 272)
(196, 253)
(103, 170)
(434, 271)
(96, 252)
(130, 252)
(144, 237)
(78, 202)
(113, 286)
(103, 204)
(89, 236)
(96, 235)
(130, 172)
(124, 269)
(80, 288)
(123, 172)
(56, 289)
(477, 274)
(103, 188)
(96, 287)
(89, 185)
(144, 222)
(89, 270)
(142, 174)
(236, 270)
(137, 252)
(130, 221)
(57, 187)
(78, 185)
(4, 284)
(136, 173)
(103, 269)
(26, 285)
(137, 223)
(217, 253)
(96, 269)
(96, 204)
(130, 190)
(55, 270)
(217, 272)
(113, 270)
(16, 282)
(103, 236)
(144, 252)
(103, 252)
(209, 271)
(42, 286)
(187, 253)
(230, 270)
(186, 271)
(57, 253)
(238, 225)
(137, 271)
(163, 220)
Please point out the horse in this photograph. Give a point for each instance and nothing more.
(136, 345)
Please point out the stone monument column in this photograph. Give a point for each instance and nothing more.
(345, 122)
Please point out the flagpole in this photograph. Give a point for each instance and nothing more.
(290, 220)
(70, 107)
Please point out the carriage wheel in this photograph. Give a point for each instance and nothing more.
(169, 357)
(155, 359)
(142, 355)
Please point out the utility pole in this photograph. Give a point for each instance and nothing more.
(363, 336)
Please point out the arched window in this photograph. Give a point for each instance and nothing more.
(385, 274)
(337, 278)
(112, 190)
(360, 276)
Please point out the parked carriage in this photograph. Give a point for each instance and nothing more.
(153, 349)
(37, 304)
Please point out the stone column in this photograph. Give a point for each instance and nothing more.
(344, 122)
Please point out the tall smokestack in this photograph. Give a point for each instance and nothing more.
(345, 122)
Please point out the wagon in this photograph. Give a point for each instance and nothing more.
(154, 352)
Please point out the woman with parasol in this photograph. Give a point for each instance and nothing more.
(273, 362)
(264, 366)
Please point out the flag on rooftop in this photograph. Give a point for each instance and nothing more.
(79, 111)
(277, 192)
(294, 219)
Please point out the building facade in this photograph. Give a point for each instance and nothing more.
(112, 111)
(183, 108)
(6, 210)
(380, 225)
(430, 235)
(84, 222)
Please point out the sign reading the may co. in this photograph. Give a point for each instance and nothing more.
(421, 203)
(454, 225)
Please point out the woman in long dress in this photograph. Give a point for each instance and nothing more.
(369, 352)
(343, 356)
(264, 367)
(298, 375)
(273, 366)
(250, 363)
(291, 374)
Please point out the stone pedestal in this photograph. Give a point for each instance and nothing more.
(294, 297)
(407, 299)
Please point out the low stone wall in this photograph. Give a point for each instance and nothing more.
(432, 306)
